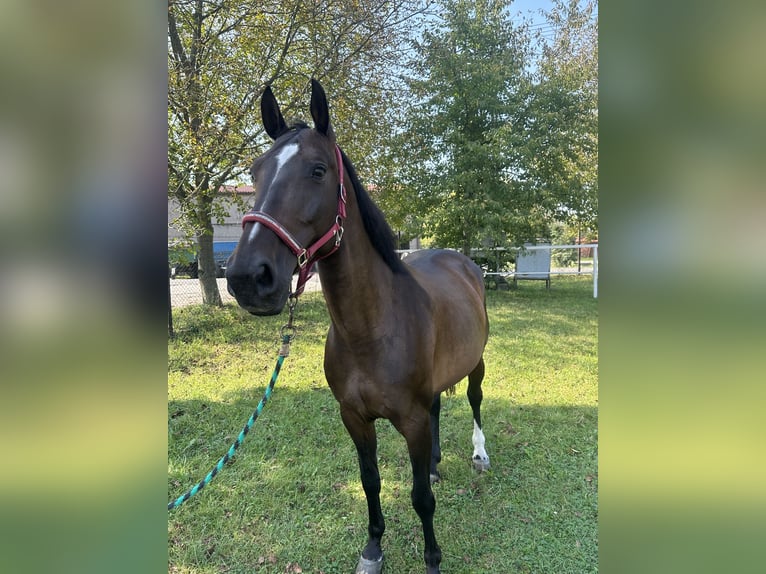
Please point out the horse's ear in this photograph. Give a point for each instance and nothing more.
(319, 109)
(272, 118)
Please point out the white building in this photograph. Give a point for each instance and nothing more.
(227, 230)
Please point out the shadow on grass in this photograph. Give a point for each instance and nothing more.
(293, 497)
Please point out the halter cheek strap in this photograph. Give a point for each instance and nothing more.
(307, 256)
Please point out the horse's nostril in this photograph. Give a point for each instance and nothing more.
(264, 277)
(259, 281)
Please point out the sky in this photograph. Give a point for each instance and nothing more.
(530, 9)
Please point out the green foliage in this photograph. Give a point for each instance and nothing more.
(292, 500)
(466, 72)
(223, 53)
(497, 145)
(560, 138)
(181, 255)
(485, 149)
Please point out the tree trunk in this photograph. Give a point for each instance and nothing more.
(207, 279)
(466, 238)
(207, 268)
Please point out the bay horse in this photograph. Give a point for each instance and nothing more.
(402, 331)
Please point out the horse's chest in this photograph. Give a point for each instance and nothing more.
(381, 367)
(374, 373)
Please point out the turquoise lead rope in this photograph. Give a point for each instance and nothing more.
(288, 333)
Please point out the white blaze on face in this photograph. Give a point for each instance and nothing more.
(478, 443)
(284, 156)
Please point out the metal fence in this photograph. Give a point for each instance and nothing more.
(183, 291)
(570, 266)
(186, 291)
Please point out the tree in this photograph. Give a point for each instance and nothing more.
(221, 56)
(498, 145)
(560, 137)
(470, 78)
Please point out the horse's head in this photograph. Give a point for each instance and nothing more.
(297, 217)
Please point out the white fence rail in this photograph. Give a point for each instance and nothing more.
(553, 271)
(593, 271)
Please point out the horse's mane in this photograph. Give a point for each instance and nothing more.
(375, 224)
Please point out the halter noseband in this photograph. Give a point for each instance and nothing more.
(307, 256)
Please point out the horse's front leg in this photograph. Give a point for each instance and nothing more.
(365, 439)
(417, 433)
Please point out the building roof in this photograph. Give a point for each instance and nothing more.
(243, 189)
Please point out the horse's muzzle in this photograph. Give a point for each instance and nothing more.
(258, 289)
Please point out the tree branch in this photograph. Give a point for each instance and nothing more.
(175, 40)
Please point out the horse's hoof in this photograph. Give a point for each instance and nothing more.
(435, 478)
(369, 566)
(481, 464)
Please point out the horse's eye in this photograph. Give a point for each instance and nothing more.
(318, 172)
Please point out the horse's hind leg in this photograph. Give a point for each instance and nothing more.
(366, 442)
(436, 451)
(480, 457)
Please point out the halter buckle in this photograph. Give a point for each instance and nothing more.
(303, 259)
(339, 231)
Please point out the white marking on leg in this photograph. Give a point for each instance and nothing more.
(478, 445)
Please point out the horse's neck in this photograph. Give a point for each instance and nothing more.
(356, 282)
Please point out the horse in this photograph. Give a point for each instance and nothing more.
(402, 330)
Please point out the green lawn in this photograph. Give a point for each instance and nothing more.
(292, 500)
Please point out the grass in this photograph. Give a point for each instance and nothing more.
(293, 502)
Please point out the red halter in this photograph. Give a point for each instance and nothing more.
(307, 256)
